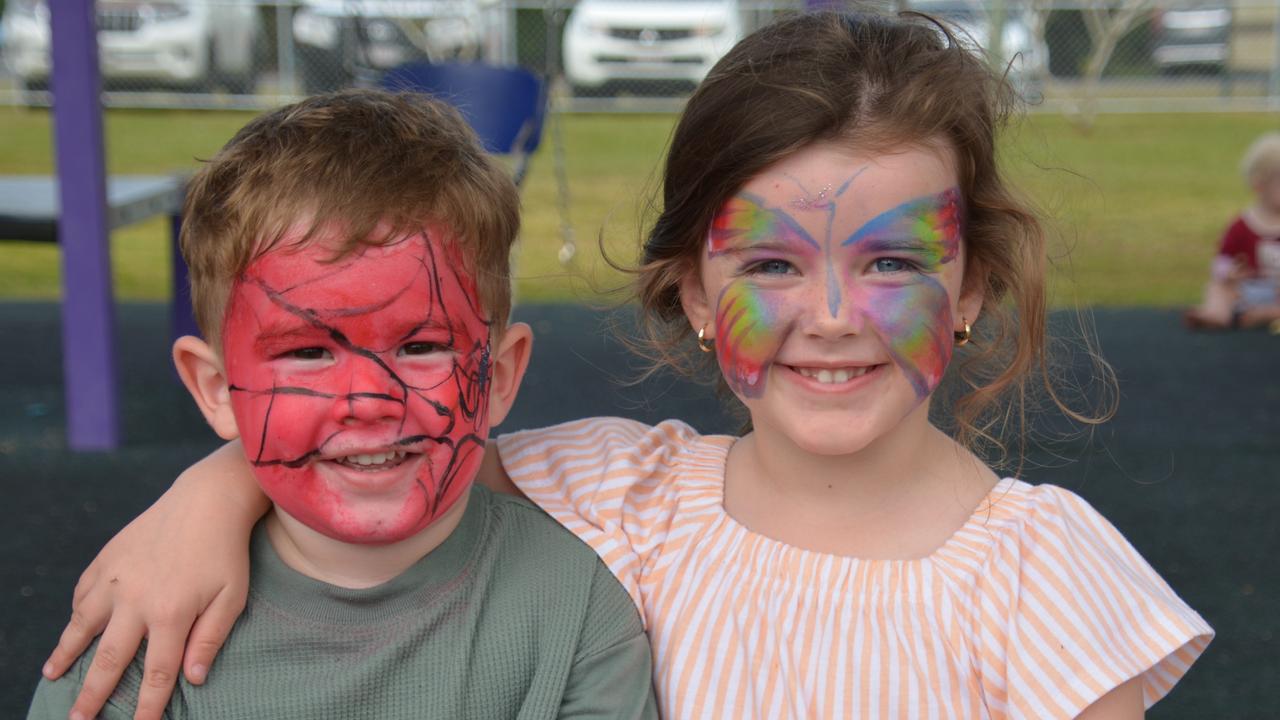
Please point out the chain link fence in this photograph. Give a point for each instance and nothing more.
(632, 55)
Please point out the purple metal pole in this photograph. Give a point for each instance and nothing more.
(88, 310)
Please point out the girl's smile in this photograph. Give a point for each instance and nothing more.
(837, 303)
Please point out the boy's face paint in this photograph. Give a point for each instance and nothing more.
(360, 387)
(796, 280)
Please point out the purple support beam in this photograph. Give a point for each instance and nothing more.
(88, 310)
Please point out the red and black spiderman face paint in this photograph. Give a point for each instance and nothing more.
(360, 387)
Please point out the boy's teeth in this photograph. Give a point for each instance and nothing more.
(838, 375)
(374, 459)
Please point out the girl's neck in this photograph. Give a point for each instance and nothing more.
(898, 498)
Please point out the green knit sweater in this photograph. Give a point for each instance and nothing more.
(510, 617)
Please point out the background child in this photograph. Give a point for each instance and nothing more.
(349, 264)
(834, 224)
(1244, 280)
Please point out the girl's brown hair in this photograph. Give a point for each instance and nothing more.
(878, 83)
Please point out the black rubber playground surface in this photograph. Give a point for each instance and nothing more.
(1189, 470)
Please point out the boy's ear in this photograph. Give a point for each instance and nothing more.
(507, 364)
(693, 298)
(201, 371)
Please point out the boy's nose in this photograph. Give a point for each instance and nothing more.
(374, 395)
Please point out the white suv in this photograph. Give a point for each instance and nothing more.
(612, 41)
(189, 44)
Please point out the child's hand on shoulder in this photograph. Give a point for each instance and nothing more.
(150, 582)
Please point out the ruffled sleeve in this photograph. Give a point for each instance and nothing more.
(614, 483)
(1069, 611)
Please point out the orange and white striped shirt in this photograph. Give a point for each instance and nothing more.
(1035, 608)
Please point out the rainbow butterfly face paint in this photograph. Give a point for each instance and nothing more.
(851, 287)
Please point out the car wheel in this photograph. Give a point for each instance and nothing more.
(594, 91)
(34, 93)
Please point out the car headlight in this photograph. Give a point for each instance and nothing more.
(317, 30)
(708, 30)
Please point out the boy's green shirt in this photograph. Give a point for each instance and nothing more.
(510, 617)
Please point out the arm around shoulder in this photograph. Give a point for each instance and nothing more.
(178, 575)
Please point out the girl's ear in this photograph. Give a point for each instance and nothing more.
(200, 368)
(693, 298)
(507, 365)
(972, 294)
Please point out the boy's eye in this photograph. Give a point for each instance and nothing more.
(421, 348)
(308, 353)
(891, 265)
(771, 267)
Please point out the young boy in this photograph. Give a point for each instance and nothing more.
(1244, 281)
(349, 270)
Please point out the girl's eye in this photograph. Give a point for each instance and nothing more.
(421, 348)
(308, 353)
(771, 267)
(891, 265)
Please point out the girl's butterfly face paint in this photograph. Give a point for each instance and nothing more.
(798, 279)
(360, 387)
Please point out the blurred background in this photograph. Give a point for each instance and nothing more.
(1137, 113)
(1136, 108)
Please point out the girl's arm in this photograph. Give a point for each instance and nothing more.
(1122, 703)
(178, 575)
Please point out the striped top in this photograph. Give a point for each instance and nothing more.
(1035, 608)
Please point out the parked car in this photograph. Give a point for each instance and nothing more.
(1193, 35)
(612, 41)
(341, 41)
(189, 44)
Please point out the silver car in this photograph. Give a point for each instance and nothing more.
(188, 44)
(1192, 36)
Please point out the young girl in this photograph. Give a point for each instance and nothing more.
(834, 226)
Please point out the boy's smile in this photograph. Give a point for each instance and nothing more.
(359, 387)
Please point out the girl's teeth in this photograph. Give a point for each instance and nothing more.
(828, 377)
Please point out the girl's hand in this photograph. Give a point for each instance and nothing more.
(178, 575)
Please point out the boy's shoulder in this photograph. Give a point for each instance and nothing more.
(520, 530)
(534, 565)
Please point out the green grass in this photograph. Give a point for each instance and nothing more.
(1135, 206)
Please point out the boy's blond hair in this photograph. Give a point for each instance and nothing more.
(1262, 159)
(370, 165)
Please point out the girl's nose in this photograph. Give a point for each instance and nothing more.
(374, 394)
(830, 313)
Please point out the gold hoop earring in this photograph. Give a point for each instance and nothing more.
(705, 344)
(963, 336)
